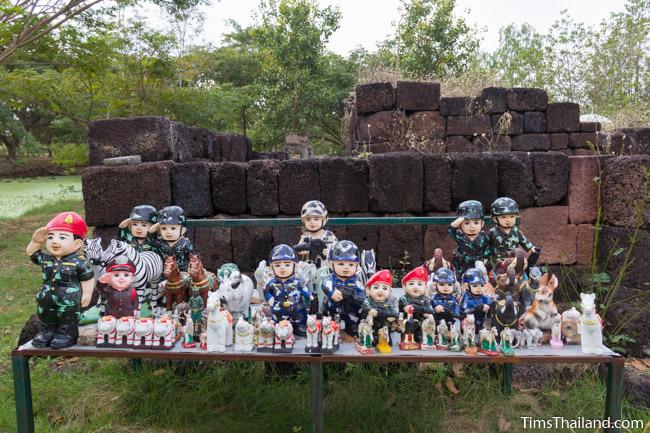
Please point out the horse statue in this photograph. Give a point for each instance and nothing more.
(330, 334)
(174, 286)
(201, 279)
(591, 326)
(469, 331)
(313, 333)
(219, 329)
(236, 291)
(366, 337)
(148, 268)
(428, 328)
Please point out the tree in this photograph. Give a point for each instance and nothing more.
(12, 133)
(431, 41)
(520, 58)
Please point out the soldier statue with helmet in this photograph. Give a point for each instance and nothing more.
(444, 302)
(171, 240)
(472, 244)
(475, 301)
(315, 239)
(135, 229)
(342, 288)
(68, 279)
(285, 293)
(505, 236)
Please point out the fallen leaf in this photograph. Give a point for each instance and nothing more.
(438, 387)
(451, 386)
(159, 372)
(115, 398)
(8, 330)
(504, 425)
(638, 364)
(458, 370)
(73, 359)
(527, 401)
(646, 361)
(554, 393)
(53, 415)
(10, 298)
(520, 388)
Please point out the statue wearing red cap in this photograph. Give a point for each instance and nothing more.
(415, 295)
(379, 303)
(68, 279)
(121, 297)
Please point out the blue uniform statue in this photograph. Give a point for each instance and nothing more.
(475, 301)
(444, 302)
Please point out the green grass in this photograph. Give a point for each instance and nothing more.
(93, 395)
(19, 195)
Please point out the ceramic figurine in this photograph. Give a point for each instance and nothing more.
(135, 229)
(506, 313)
(344, 292)
(125, 331)
(164, 333)
(556, 333)
(443, 335)
(570, 325)
(445, 305)
(315, 239)
(244, 335)
(506, 235)
(284, 338)
(188, 332)
(415, 295)
(472, 244)
(68, 279)
(454, 339)
(504, 277)
(329, 335)
(410, 330)
(428, 334)
(236, 289)
(285, 293)
(469, 331)
(204, 281)
(507, 340)
(437, 261)
(365, 341)
(378, 303)
(475, 301)
(541, 313)
(219, 327)
(531, 337)
(106, 331)
(203, 341)
(143, 331)
(384, 344)
(121, 297)
(172, 244)
(196, 311)
(591, 326)
(266, 335)
(313, 333)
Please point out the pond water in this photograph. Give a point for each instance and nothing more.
(22, 194)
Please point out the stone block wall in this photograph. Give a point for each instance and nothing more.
(557, 194)
(413, 116)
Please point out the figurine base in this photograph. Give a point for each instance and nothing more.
(471, 350)
(189, 345)
(384, 348)
(162, 347)
(203, 346)
(96, 345)
(242, 348)
(557, 344)
(330, 351)
(490, 352)
(312, 350)
(409, 345)
(265, 349)
(455, 348)
(364, 350)
(508, 352)
(443, 347)
(428, 347)
(282, 349)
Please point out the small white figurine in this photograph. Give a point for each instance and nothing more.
(556, 333)
(570, 325)
(125, 331)
(429, 334)
(283, 337)
(143, 332)
(591, 328)
(330, 335)
(244, 334)
(106, 331)
(164, 333)
(188, 332)
(469, 332)
(365, 338)
(443, 335)
(219, 329)
(314, 326)
(266, 335)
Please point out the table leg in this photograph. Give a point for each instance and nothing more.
(507, 378)
(136, 364)
(317, 397)
(23, 394)
(614, 394)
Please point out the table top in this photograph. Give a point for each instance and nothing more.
(346, 353)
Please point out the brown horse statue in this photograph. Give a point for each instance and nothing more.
(204, 280)
(174, 284)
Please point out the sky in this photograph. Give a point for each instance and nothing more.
(366, 22)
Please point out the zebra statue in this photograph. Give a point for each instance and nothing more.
(368, 266)
(148, 269)
(93, 251)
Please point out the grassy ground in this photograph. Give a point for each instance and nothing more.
(108, 396)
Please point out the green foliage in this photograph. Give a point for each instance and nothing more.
(70, 155)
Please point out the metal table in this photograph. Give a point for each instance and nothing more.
(347, 353)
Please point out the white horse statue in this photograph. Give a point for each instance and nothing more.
(219, 329)
(314, 327)
(330, 334)
(244, 335)
(591, 328)
(429, 333)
